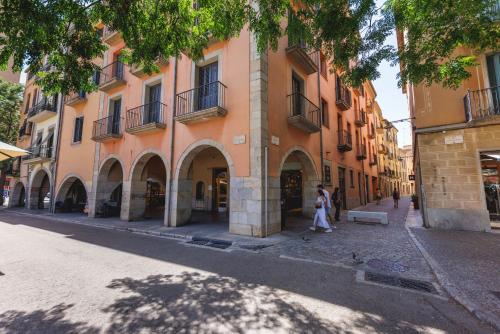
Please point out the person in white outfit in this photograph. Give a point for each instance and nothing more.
(320, 216)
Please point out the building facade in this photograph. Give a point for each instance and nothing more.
(238, 137)
(456, 142)
(407, 172)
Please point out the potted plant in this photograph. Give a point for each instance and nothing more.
(414, 199)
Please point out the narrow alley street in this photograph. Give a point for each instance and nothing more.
(68, 278)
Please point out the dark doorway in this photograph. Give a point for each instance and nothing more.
(219, 190)
(342, 187)
(367, 190)
(291, 191)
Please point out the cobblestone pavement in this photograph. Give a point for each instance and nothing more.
(388, 245)
(471, 265)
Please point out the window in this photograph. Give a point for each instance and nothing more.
(351, 178)
(77, 133)
(328, 175)
(96, 77)
(323, 66)
(27, 104)
(324, 113)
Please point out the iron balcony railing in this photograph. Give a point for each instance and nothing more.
(299, 105)
(361, 151)
(113, 71)
(39, 151)
(345, 141)
(75, 95)
(481, 104)
(107, 127)
(342, 96)
(212, 95)
(146, 114)
(47, 103)
(360, 118)
(25, 129)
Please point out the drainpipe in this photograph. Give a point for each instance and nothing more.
(321, 121)
(56, 155)
(363, 181)
(171, 151)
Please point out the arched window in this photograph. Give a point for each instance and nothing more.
(200, 191)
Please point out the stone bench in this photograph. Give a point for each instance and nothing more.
(381, 216)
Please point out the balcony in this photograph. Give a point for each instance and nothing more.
(138, 70)
(110, 36)
(75, 98)
(25, 129)
(360, 120)
(201, 104)
(345, 141)
(361, 152)
(14, 167)
(303, 114)
(146, 118)
(373, 160)
(371, 134)
(382, 149)
(43, 110)
(300, 56)
(342, 96)
(369, 106)
(107, 129)
(111, 76)
(482, 104)
(39, 153)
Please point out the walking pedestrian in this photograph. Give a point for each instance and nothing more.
(320, 215)
(328, 207)
(379, 196)
(337, 201)
(395, 197)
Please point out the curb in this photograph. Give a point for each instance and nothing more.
(112, 228)
(451, 289)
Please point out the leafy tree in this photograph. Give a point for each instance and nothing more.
(351, 33)
(10, 102)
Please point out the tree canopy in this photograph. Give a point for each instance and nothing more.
(10, 101)
(351, 34)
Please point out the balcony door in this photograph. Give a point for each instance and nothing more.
(297, 91)
(493, 63)
(208, 90)
(115, 113)
(152, 111)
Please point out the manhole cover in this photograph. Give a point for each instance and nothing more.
(496, 294)
(405, 283)
(386, 265)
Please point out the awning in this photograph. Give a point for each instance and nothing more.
(8, 151)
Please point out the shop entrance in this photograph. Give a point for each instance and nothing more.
(490, 171)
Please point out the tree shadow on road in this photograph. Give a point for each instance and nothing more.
(43, 321)
(198, 303)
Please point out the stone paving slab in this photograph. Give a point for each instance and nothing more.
(468, 267)
(372, 243)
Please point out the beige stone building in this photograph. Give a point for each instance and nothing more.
(456, 142)
(407, 173)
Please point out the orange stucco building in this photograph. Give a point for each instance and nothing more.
(238, 137)
(456, 143)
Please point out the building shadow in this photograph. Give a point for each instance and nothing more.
(52, 321)
(198, 303)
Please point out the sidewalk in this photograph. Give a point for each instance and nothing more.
(467, 265)
(208, 230)
(387, 249)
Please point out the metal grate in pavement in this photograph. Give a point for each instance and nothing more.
(400, 282)
(219, 244)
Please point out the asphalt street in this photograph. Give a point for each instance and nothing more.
(66, 278)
